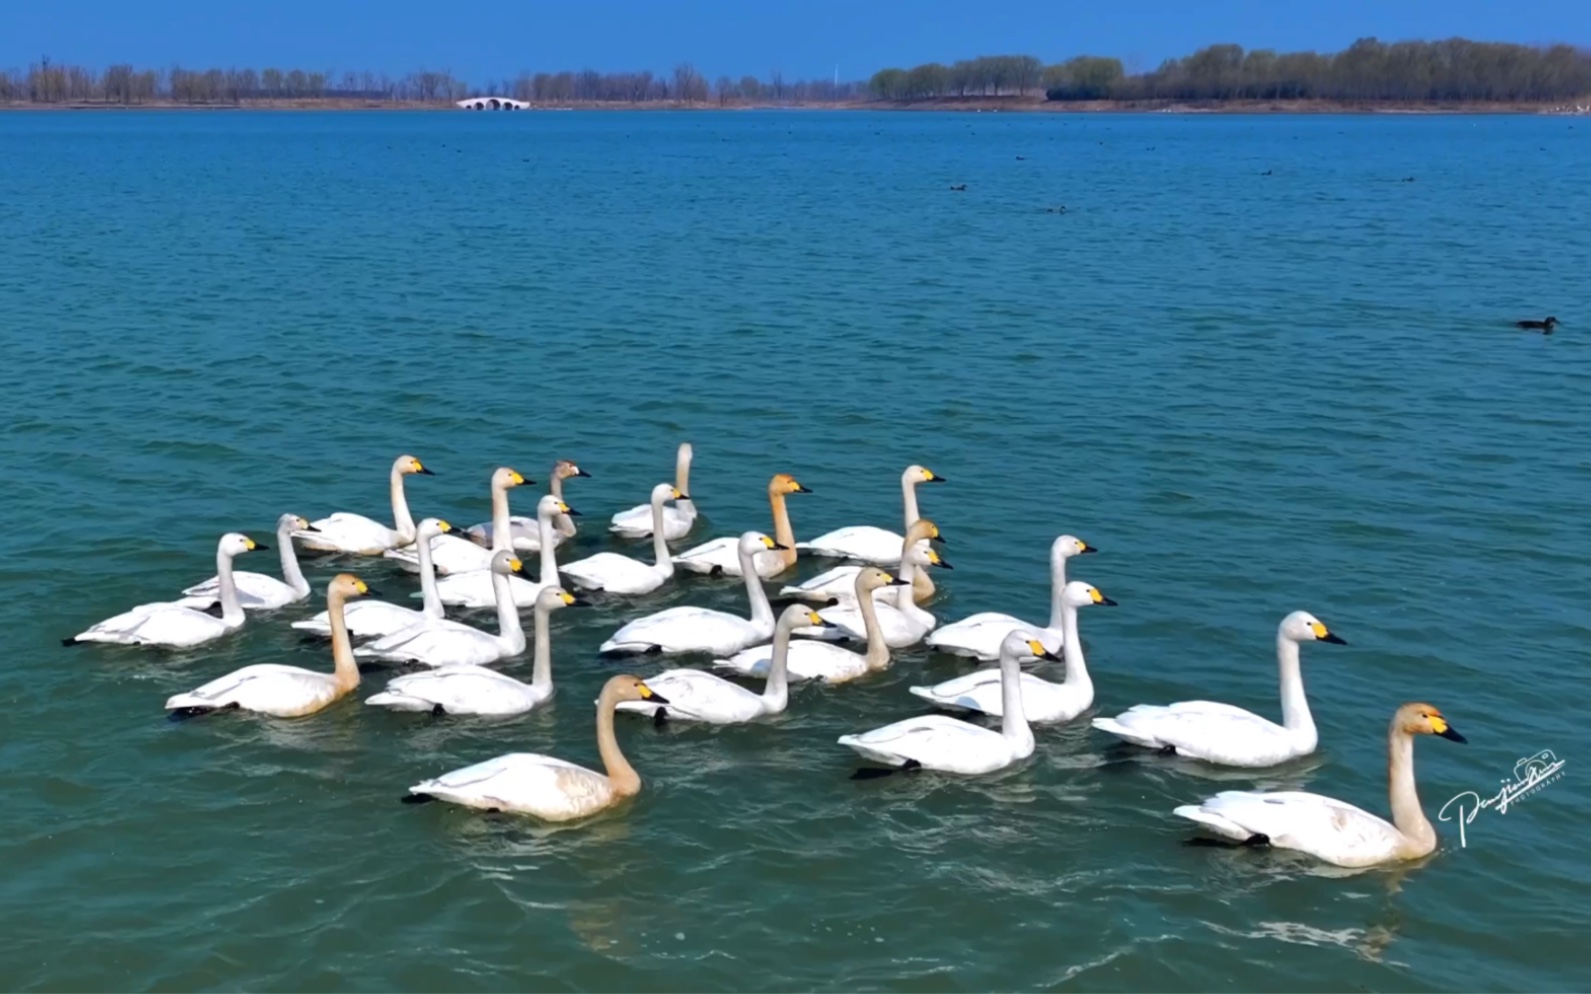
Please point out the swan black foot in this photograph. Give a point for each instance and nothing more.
(416, 799)
(660, 717)
(183, 714)
(71, 641)
(438, 710)
(1166, 751)
(875, 772)
(1258, 840)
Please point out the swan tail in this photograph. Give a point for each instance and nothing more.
(400, 702)
(311, 625)
(1224, 827)
(611, 648)
(1121, 731)
(926, 693)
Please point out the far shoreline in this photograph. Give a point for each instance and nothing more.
(963, 105)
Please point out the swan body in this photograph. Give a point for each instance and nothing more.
(839, 582)
(980, 635)
(457, 553)
(937, 742)
(1227, 735)
(866, 542)
(637, 522)
(721, 555)
(368, 619)
(618, 574)
(696, 629)
(172, 624)
(1328, 829)
(1042, 701)
(434, 642)
(258, 591)
(478, 588)
(543, 786)
(465, 688)
(902, 622)
(525, 533)
(811, 659)
(285, 691)
(358, 535)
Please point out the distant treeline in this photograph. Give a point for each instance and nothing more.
(1447, 71)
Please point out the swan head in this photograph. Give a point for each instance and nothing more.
(407, 465)
(799, 615)
(1301, 626)
(236, 543)
(1020, 645)
(429, 528)
(626, 687)
(922, 554)
(507, 564)
(1416, 718)
(345, 585)
(563, 469)
(921, 529)
(871, 578)
(921, 474)
(550, 506)
(556, 599)
(294, 523)
(664, 492)
(1067, 546)
(784, 483)
(752, 543)
(1080, 594)
(504, 477)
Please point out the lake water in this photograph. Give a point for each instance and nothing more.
(1263, 363)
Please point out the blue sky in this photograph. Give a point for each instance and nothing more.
(499, 39)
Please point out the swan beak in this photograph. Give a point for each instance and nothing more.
(938, 538)
(581, 472)
(1333, 638)
(571, 512)
(776, 545)
(1449, 733)
(1106, 601)
(1052, 657)
(309, 528)
(648, 694)
(936, 478)
(1086, 549)
(370, 591)
(894, 581)
(802, 489)
(680, 496)
(255, 547)
(942, 563)
(424, 472)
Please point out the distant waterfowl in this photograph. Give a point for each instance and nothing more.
(456, 553)
(1227, 735)
(1327, 828)
(465, 688)
(814, 659)
(696, 629)
(696, 695)
(525, 532)
(1042, 700)
(359, 535)
(478, 588)
(1546, 325)
(548, 788)
(257, 591)
(173, 624)
(677, 520)
(870, 544)
(980, 635)
(721, 555)
(285, 691)
(839, 582)
(368, 619)
(434, 642)
(619, 574)
(903, 622)
(939, 742)
(959, 188)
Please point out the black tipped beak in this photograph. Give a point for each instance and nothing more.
(939, 479)
(309, 528)
(1334, 639)
(825, 623)
(371, 592)
(572, 513)
(896, 581)
(802, 490)
(1106, 601)
(657, 698)
(785, 548)
(260, 545)
(938, 538)
(1052, 657)
(1451, 735)
(426, 472)
(581, 472)
(683, 497)
(1086, 549)
(944, 564)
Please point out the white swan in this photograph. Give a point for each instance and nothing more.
(721, 555)
(173, 624)
(814, 659)
(478, 588)
(980, 635)
(548, 788)
(696, 695)
(441, 642)
(1327, 828)
(937, 742)
(257, 591)
(359, 535)
(1227, 735)
(524, 530)
(618, 574)
(471, 689)
(839, 582)
(285, 691)
(457, 553)
(373, 619)
(677, 520)
(903, 622)
(867, 543)
(1042, 700)
(696, 629)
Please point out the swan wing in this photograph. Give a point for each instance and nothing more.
(524, 533)
(528, 783)
(614, 573)
(460, 689)
(864, 542)
(686, 629)
(161, 623)
(256, 592)
(694, 695)
(366, 619)
(936, 742)
(980, 635)
(436, 643)
(838, 581)
(347, 532)
(474, 589)
(900, 629)
(269, 688)
(1042, 701)
(809, 659)
(1203, 730)
(449, 554)
(637, 522)
(1324, 827)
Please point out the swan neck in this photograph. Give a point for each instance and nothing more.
(431, 601)
(508, 628)
(908, 572)
(289, 557)
(1072, 650)
(782, 532)
(761, 610)
(1407, 814)
(541, 670)
(564, 523)
(776, 693)
(621, 775)
(877, 648)
(549, 555)
(231, 609)
(1014, 721)
(1058, 617)
(660, 553)
(908, 494)
(501, 538)
(402, 520)
(342, 650)
(682, 483)
(1295, 708)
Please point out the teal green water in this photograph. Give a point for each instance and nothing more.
(1255, 393)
